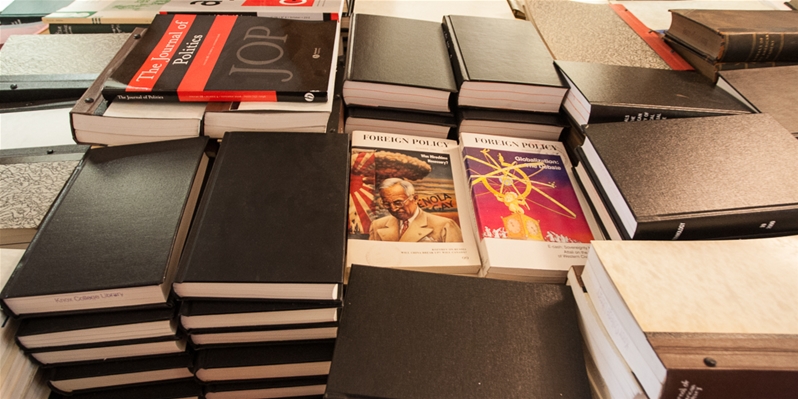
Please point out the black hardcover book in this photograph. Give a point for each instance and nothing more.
(115, 235)
(134, 348)
(216, 314)
(272, 220)
(530, 125)
(773, 91)
(599, 202)
(41, 332)
(397, 63)
(612, 93)
(251, 335)
(738, 35)
(241, 58)
(302, 359)
(115, 372)
(407, 334)
(698, 178)
(380, 119)
(501, 63)
(285, 387)
(187, 388)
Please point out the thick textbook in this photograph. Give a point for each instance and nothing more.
(113, 239)
(408, 205)
(187, 388)
(135, 348)
(42, 332)
(312, 10)
(697, 178)
(109, 373)
(197, 58)
(32, 179)
(272, 220)
(529, 213)
(375, 119)
(501, 63)
(398, 63)
(712, 326)
(611, 93)
(95, 120)
(199, 314)
(53, 67)
(711, 68)
(301, 388)
(304, 359)
(769, 90)
(482, 338)
(738, 35)
(522, 124)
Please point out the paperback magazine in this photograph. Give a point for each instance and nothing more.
(395, 178)
(528, 212)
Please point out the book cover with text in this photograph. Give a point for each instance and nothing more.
(524, 198)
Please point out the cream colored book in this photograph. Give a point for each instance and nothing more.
(701, 319)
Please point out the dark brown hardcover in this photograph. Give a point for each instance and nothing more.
(738, 35)
(773, 91)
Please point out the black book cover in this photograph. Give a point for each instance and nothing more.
(264, 328)
(617, 225)
(62, 375)
(227, 58)
(613, 93)
(273, 212)
(496, 115)
(502, 64)
(263, 355)
(182, 389)
(293, 387)
(86, 354)
(113, 237)
(700, 178)
(499, 50)
(398, 51)
(76, 322)
(205, 308)
(773, 91)
(396, 115)
(423, 335)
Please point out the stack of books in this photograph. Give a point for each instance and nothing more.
(720, 40)
(691, 319)
(506, 79)
(261, 277)
(398, 78)
(93, 288)
(155, 89)
(673, 180)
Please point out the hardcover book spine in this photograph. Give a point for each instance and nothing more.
(712, 383)
(606, 113)
(725, 225)
(760, 47)
(61, 29)
(455, 56)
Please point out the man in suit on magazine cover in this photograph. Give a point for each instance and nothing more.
(407, 222)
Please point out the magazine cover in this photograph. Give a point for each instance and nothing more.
(405, 202)
(528, 212)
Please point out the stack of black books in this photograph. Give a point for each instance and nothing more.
(398, 78)
(692, 178)
(261, 277)
(508, 84)
(93, 288)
